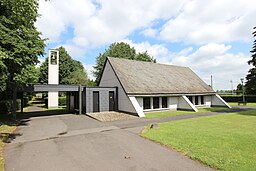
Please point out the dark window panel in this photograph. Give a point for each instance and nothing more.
(146, 103)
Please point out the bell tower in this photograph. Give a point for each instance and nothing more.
(53, 77)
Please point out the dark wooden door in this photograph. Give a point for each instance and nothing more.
(111, 101)
(96, 100)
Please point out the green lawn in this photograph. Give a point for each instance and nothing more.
(236, 104)
(179, 112)
(60, 108)
(5, 129)
(225, 142)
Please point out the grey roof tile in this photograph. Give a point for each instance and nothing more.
(138, 77)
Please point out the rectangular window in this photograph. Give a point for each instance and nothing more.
(164, 102)
(190, 99)
(146, 103)
(53, 57)
(202, 100)
(155, 102)
(196, 100)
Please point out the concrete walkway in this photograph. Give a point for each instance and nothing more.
(36, 106)
(73, 142)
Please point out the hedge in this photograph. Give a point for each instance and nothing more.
(6, 106)
(62, 101)
(235, 98)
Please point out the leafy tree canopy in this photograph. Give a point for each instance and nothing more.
(119, 50)
(251, 76)
(70, 70)
(239, 89)
(20, 42)
(3, 72)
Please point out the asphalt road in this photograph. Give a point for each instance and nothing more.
(78, 143)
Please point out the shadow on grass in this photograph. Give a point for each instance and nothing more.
(8, 121)
(223, 110)
(23, 122)
(9, 137)
(247, 112)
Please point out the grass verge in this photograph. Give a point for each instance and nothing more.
(236, 104)
(161, 114)
(225, 142)
(6, 127)
(60, 108)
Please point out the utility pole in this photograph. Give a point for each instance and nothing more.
(211, 82)
(242, 81)
(231, 86)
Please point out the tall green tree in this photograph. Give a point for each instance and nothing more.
(251, 76)
(20, 43)
(3, 72)
(239, 89)
(70, 70)
(119, 50)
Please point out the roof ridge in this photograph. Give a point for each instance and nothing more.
(132, 60)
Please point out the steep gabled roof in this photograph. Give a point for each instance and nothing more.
(144, 78)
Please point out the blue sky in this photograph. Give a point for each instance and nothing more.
(211, 37)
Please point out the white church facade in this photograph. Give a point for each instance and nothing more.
(146, 86)
(134, 87)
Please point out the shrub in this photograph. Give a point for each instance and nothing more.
(25, 101)
(30, 96)
(46, 101)
(5, 106)
(235, 98)
(62, 101)
(18, 104)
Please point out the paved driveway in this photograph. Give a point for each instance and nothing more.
(77, 143)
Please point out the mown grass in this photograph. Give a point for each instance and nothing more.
(60, 108)
(225, 142)
(236, 104)
(6, 127)
(161, 114)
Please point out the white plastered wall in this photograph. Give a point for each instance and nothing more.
(109, 79)
(208, 101)
(185, 104)
(53, 99)
(218, 101)
(173, 103)
(53, 78)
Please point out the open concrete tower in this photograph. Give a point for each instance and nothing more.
(53, 77)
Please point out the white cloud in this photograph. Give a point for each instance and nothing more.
(89, 69)
(94, 25)
(75, 51)
(211, 21)
(211, 24)
(210, 59)
(150, 32)
(158, 51)
(99, 22)
(214, 59)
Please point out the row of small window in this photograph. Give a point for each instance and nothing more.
(156, 102)
(196, 100)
